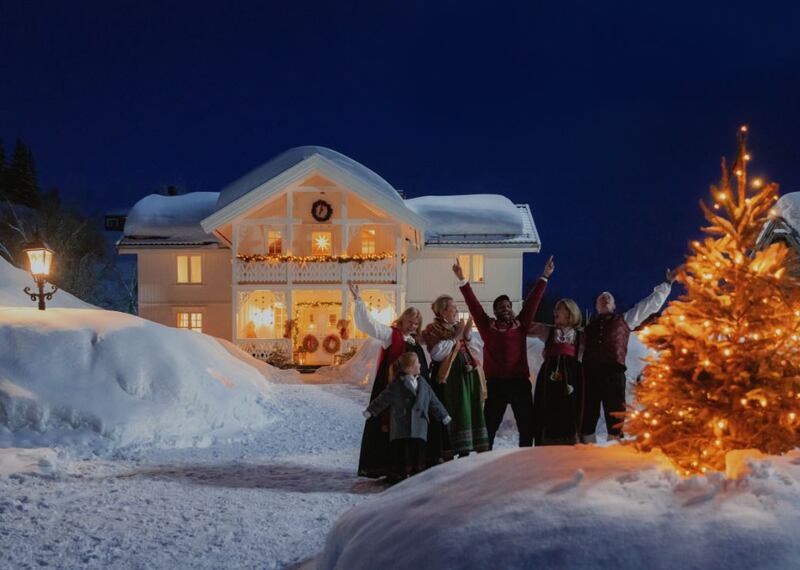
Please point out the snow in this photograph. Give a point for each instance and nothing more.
(788, 208)
(470, 214)
(173, 218)
(575, 507)
(294, 156)
(12, 282)
(88, 377)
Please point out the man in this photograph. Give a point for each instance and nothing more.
(607, 336)
(505, 354)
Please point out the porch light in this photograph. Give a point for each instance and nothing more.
(40, 256)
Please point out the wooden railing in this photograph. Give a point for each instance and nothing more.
(258, 272)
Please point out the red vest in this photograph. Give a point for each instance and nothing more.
(607, 341)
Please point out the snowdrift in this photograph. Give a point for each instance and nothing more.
(581, 507)
(13, 280)
(107, 379)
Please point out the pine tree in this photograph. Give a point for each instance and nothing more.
(728, 372)
(21, 182)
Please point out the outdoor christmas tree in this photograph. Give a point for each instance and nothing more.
(727, 375)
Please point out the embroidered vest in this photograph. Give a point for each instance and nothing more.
(607, 341)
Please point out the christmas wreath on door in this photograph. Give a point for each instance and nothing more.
(331, 344)
(310, 343)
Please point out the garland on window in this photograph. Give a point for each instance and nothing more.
(357, 258)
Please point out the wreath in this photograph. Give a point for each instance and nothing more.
(331, 344)
(310, 343)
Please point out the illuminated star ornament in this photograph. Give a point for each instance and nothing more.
(323, 243)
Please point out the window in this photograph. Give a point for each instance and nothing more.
(190, 269)
(321, 243)
(274, 242)
(463, 316)
(367, 241)
(190, 320)
(473, 267)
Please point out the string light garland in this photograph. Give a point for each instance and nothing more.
(728, 372)
(355, 258)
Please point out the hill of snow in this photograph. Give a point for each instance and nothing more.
(12, 282)
(107, 379)
(581, 507)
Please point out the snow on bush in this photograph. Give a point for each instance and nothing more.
(575, 507)
(107, 379)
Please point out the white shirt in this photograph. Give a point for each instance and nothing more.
(369, 326)
(647, 306)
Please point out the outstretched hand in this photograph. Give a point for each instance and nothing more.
(458, 270)
(353, 290)
(549, 267)
(460, 327)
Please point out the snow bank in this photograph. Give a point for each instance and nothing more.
(581, 507)
(470, 214)
(12, 282)
(107, 379)
(176, 218)
(39, 461)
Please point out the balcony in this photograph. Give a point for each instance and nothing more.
(383, 271)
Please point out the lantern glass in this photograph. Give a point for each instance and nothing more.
(40, 259)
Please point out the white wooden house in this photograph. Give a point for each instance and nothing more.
(265, 262)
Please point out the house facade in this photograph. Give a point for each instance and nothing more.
(265, 262)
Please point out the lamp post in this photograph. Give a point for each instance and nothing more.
(40, 256)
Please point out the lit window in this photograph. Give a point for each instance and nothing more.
(332, 320)
(367, 241)
(321, 243)
(190, 269)
(462, 316)
(473, 267)
(190, 320)
(274, 242)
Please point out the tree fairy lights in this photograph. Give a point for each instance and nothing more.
(727, 375)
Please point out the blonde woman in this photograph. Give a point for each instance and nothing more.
(559, 394)
(376, 453)
(457, 379)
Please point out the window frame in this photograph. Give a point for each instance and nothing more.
(189, 271)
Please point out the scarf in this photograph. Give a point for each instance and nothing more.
(440, 330)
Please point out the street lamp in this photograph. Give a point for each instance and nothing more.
(40, 257)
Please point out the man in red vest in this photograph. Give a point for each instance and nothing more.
(607, 336)
(505, 354)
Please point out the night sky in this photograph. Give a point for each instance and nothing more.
(609, 121)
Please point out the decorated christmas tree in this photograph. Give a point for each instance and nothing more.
(727, 374)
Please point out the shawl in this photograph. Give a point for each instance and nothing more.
(440, 330)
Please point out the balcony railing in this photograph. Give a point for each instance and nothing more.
(266, 272)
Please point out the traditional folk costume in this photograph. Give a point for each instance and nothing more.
(505, 353)
(559, 393)
(459, 384)
(376, 459)
(411, 401)
(607, 338)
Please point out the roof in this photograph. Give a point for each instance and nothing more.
(297, 163)
(488, 220)
(171, 221)
(529, 238)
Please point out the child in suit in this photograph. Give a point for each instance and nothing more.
(412, 401)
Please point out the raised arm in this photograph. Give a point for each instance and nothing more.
(480, 317)
(531, 303)
(538, 330)
(366, 323)
(650, 304)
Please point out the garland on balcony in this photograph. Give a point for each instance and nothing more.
(357, 258)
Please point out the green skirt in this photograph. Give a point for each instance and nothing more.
(462, 398)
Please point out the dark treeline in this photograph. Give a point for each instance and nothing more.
(85, 262)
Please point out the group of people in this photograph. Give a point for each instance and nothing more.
(468, 392)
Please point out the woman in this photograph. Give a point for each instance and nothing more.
(376, 457)
(558, 396)
(457, 378)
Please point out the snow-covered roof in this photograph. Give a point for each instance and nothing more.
(489, 220)
(170, 220)
(294, 156)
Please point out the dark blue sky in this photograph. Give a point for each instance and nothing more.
(608, 118)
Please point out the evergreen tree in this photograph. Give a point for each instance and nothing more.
(727, 374)
(21, 182)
